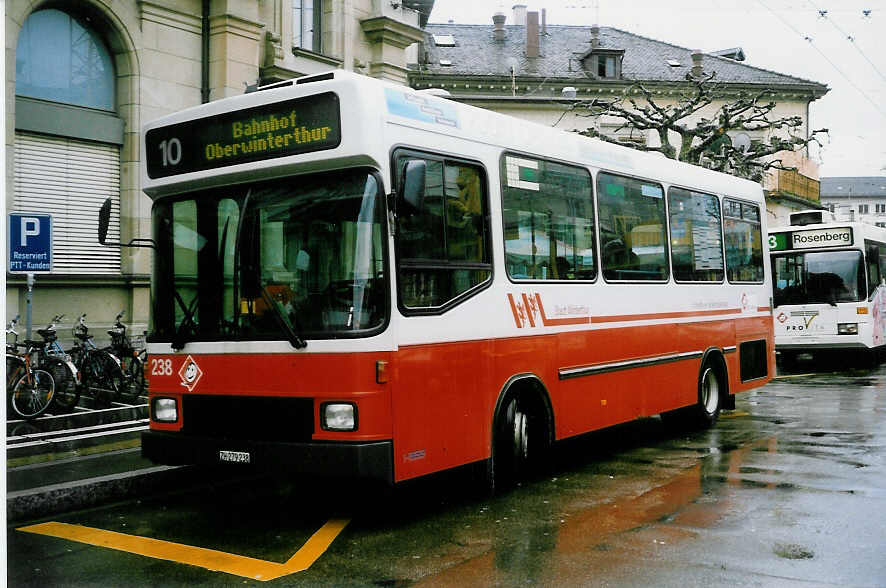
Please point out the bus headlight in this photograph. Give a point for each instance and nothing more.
(338, 416)
(847, 328)
(164, 410)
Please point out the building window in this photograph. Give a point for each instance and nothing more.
(62, 60)
(306, 25)
(603, 64)
(863, 209)
(606, 67)
(880, 208)
(67, 136)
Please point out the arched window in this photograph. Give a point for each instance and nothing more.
(63, 60)
(68, 136)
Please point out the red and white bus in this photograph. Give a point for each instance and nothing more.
(356, 278)
(829, 283)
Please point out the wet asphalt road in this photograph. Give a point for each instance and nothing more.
(788, 490)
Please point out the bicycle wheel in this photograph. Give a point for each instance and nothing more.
(103, 377)
(67, 388)
(134, 378)
(31, 398)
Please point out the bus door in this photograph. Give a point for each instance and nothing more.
(443, 265)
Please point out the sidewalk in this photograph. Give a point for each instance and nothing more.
(49, 487)
(79, 460)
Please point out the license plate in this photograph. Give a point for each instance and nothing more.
(234, 456)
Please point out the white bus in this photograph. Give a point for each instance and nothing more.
(355, 278)
(828, 286)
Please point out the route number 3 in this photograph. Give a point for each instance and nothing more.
(161, 367)
(171, 149)
(773, 242)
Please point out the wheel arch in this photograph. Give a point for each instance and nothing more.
(531, 385)
(715, 356)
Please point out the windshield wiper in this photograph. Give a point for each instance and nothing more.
(283, 321)
(187, 324)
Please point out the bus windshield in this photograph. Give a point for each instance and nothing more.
(821, 277)
(294, 258)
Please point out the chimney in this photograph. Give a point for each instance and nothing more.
(519, 14)
(532, 34)
(498, 21)
(697, 69)
(595, 36)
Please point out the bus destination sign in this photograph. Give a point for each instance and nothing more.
(813, 238)
(821, 238)
(274, 130)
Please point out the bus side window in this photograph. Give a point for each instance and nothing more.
(443, 247)
(548, 215)
(873, 258)
(743, 241)
(633, 229)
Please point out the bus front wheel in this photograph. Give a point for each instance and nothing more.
(519, 442)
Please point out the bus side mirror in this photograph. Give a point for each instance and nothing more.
(104, 219)
(413, 186)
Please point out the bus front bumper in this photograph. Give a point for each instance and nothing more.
(372, 460)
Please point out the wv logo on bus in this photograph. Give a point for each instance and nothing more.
(529, 311)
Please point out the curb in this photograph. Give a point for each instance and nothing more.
(57, 498)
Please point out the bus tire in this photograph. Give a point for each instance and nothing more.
(711, 388)
(521, 439)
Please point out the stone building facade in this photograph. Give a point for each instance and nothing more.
(81, 79)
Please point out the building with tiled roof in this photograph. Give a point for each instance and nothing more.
(537, 71)
(856, 198)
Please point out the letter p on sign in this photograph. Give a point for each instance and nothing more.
(30, 227)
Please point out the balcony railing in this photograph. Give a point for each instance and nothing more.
(797, 184)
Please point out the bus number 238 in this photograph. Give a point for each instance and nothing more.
(161, 367)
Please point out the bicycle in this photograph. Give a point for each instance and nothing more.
(57, 362)
(100, 371)
(132, 360)
(30, 390)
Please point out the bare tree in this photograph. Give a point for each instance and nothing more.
(706, 141)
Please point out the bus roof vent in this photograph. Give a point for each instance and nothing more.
(811, 217)
(317, 78)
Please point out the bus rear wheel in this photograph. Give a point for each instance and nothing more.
(710, 390)
(705, 412)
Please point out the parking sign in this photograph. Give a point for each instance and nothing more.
(30, 243)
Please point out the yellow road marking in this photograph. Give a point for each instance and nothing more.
(247, 567)
(735, 415)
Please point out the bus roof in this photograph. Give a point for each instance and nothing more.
(371, 112)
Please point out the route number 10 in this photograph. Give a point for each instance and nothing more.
(172, 151)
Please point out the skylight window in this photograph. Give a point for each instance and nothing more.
(674, 63)
(444, 40)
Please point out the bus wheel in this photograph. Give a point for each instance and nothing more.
(514, 438)
(710, 388)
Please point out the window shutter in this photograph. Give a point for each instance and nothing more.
(70, 179)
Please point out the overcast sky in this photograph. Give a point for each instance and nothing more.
(785, 36)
